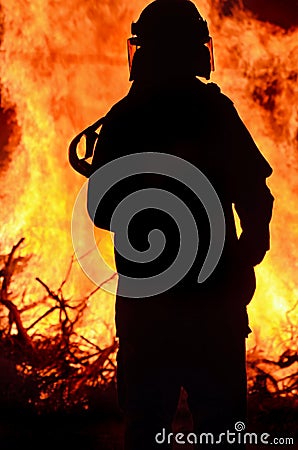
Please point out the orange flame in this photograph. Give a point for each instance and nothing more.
(63, 66)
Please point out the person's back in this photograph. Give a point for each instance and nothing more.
(196, 122)
(192, 335)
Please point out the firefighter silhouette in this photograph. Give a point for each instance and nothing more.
(193, 335)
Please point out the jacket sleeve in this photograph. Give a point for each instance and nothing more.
(97, 204)
(252, 198)
(255, 211)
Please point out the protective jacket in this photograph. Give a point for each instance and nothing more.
(194, 121)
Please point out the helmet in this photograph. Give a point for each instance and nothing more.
(170, 35)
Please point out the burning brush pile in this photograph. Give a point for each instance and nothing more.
(60, 371)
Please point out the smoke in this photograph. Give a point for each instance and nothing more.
(283, 13)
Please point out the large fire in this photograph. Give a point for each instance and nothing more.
(63, 65)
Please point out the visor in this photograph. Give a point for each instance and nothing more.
(132, 46)
(209, 45)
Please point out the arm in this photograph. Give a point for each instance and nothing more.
(247, 172)
(254, 208)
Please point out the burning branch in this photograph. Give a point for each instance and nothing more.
(14, 313)
(63, 306)
(262, 377)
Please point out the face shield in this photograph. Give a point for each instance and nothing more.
(209, 45)
(133, 44)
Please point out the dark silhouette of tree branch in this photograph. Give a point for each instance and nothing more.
(14, 313)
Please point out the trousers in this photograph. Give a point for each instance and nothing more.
(205, 354)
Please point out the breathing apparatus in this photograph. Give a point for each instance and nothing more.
(168, 34)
